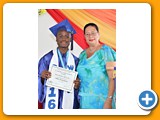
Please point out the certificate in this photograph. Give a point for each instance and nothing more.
(62, 78)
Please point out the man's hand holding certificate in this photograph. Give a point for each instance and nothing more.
(62, 78)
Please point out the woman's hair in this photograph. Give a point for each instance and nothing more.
(91, 24)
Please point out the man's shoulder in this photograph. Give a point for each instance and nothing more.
(48, 55)
(75, 57)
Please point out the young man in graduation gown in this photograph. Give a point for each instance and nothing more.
(50, 97)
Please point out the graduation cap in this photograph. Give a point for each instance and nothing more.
(64, 25)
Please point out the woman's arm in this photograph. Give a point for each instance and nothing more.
(110, 70)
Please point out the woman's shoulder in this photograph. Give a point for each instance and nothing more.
(111, 53)
(82, 53)
(105, 47)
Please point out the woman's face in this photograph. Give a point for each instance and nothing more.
(91, 35)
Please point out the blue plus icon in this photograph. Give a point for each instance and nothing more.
(147, 99)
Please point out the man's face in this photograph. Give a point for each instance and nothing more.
(63, 39)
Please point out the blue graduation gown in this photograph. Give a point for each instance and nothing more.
(43, 64)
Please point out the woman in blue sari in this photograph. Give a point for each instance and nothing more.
(97, 86)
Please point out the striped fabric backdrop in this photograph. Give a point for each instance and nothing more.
(104, 18)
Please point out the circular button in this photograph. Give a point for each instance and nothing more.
(147, 99)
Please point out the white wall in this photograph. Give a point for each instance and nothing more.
(46, 40)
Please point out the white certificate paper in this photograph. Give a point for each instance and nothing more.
(62, 78)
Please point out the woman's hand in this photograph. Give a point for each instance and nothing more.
(76, 83)
(108, 104)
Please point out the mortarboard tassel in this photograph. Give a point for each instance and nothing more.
(71, 42)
